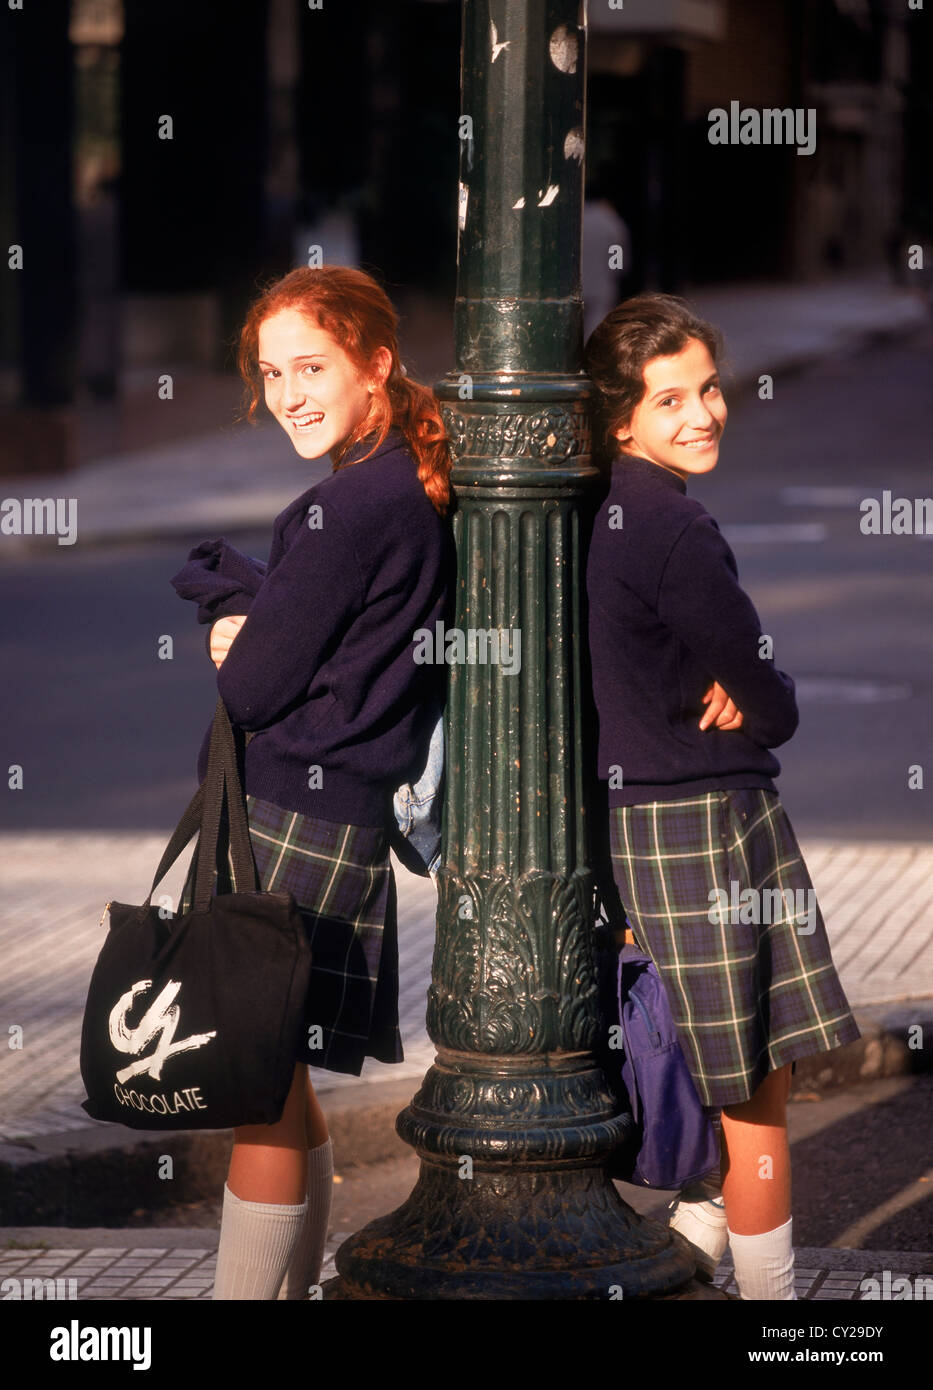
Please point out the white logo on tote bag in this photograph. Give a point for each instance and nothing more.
(161, 1018)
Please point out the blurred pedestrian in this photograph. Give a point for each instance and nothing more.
(703, 855)
(315, 658)
(605, 257)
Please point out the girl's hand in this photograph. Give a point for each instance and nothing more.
(223, 634)
(722, 711)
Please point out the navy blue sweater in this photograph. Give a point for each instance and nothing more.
(323, 669)
(667, 617)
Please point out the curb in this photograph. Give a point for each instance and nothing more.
(94, 1175)
(742, 384)
(890, 1045)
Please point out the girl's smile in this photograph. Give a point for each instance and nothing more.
(312, 387)
(679, 420)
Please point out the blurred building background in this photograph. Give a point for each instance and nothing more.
(337, 127)
(701, 213)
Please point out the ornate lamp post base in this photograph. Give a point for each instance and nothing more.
(538, 1255)
(538, 1217)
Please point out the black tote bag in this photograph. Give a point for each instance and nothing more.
(193, 1021)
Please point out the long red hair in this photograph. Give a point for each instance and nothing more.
(350, 306)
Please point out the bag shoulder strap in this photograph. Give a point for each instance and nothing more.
(203, 814)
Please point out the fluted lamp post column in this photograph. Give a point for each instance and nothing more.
(514, 1121)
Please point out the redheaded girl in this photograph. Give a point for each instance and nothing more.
(315, 657)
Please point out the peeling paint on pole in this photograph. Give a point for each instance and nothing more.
(574, 145)
(564, 49)
(496, 46)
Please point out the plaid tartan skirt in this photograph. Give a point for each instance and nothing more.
(341, 878)
(750, 975)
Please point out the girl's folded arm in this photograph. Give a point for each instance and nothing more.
(701, 600)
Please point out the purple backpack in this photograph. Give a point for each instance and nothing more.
(676, 1138)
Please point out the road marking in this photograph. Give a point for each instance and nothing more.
(824, 496)
(778, 531)
(830, 690)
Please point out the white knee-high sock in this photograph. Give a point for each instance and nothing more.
(764, 1264)
(256, 1244)
(304, 1268)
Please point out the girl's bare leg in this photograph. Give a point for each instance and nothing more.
(315, 1123)
(265, 1202)
(269, 1163)
(756, 1158)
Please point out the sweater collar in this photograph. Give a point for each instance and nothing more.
(393, 440)
(645, 468)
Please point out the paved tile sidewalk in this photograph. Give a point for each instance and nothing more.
(824, 1275)
(50, 934)
(143, 1272)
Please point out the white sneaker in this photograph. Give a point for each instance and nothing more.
(703, 1226)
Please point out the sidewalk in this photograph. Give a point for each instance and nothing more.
(779, 328)
(236, 477)
(50, 936)
(57, 1164)
(179, 1265)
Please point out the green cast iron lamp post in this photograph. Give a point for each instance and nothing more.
(514, 1121)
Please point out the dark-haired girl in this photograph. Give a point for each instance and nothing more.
(315, 658)
(690, 704)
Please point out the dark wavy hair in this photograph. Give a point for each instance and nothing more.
(355, 310)
(619, 349)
